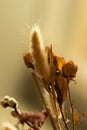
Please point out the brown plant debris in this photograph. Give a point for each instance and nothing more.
(54, 72)
(33, 119)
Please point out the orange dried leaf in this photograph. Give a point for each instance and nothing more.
(76, 117)
(60, 62)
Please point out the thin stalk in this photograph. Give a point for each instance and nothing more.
(72, 110)
(64, 119)
(41, 95)
(55, 107)
(52, 77)
(19, 115)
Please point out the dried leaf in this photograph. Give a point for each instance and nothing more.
(76, 117)
(28, 60)
(36, 119)
(60, 62)
(61, 88)
(69, 69)
(84, 114)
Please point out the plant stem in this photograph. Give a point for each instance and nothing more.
(19, 115)
(38, 88)
(72, 110)
(52, 78)
(64, 119)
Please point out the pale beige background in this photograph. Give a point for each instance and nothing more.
(63, 24)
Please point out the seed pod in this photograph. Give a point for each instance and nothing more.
(4, 102)
(13, 103)
(28, 60)
(69, 69)
(15, 113)
(8, 102)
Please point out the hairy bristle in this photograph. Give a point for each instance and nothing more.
(36, 37)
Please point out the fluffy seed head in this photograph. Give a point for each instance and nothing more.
(39, 54)
(8, 102)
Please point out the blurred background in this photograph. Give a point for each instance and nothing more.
(63, 24)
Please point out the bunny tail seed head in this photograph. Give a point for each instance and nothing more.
(36, 37)
(39, 54)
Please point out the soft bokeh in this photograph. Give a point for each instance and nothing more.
(63, 24)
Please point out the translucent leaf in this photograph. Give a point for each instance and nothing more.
(76, 117)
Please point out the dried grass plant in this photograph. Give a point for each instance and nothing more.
(55, 75)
